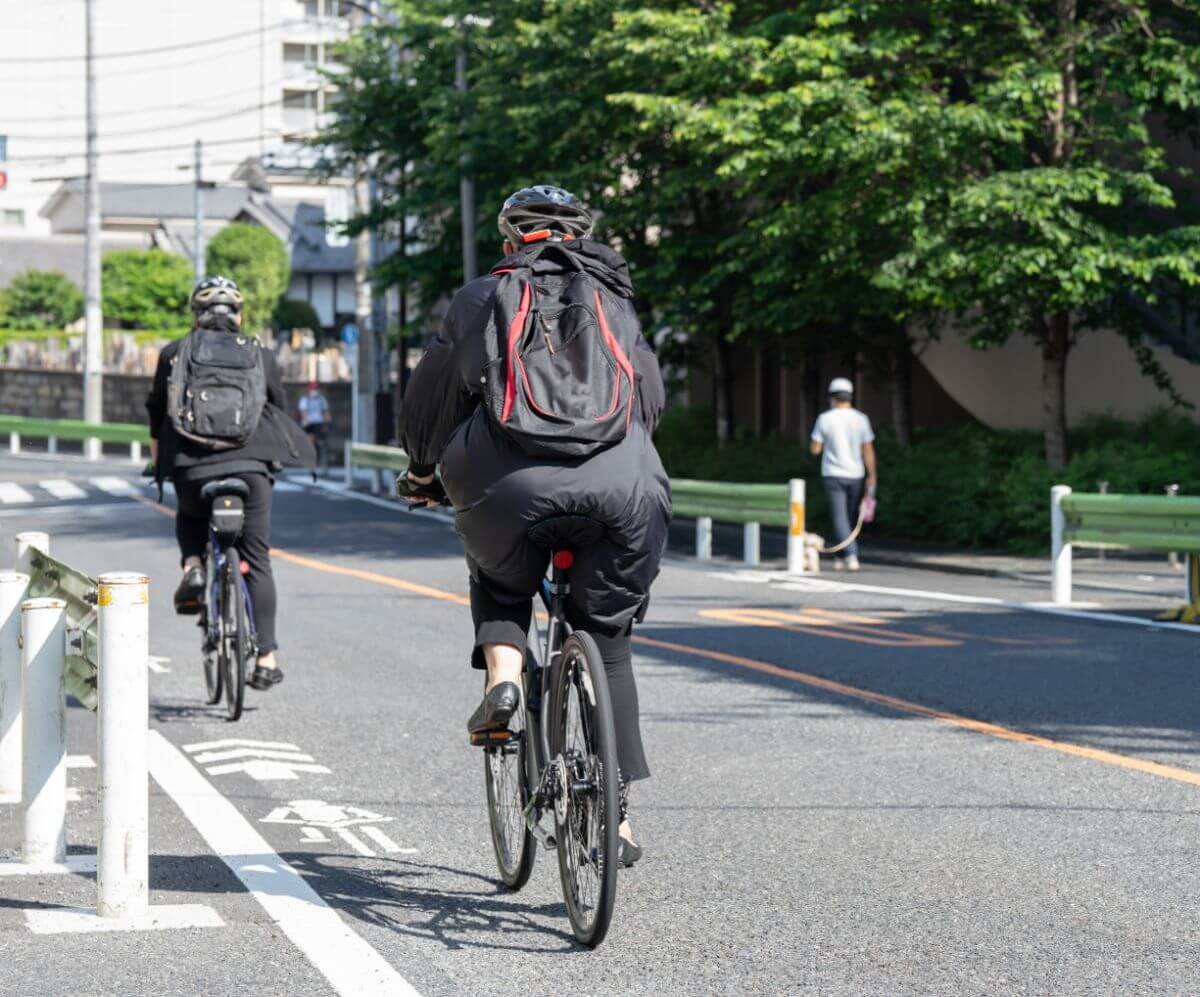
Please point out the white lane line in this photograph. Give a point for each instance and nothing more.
(384, 842)
(238, 742)
(354, 841)
(229, 754)
(114, 486)
(13, 494)
(61, 488)
(349, 964)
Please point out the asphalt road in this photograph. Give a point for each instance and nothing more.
(901, 784)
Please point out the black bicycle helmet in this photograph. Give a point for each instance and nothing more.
(216, 291)
(543, 212)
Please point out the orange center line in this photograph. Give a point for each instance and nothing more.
(765, 667)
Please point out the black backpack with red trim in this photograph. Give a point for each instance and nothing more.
(558, 377)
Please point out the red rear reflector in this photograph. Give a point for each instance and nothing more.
(244, 567)
(563, 559)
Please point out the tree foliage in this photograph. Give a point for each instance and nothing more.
(291, 314)
(840, 176)
(258, 261)
(43, 299)
(145, 288)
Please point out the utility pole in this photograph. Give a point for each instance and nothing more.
(364, 399)
(466, 183)
(198, 247)
(93, 351)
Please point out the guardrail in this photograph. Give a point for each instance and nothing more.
(91, 433)
(63, 631)
(1158, 523)
(752, 505)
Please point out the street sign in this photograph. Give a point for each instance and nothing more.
(349, 334)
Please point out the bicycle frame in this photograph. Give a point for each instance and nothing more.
(214, 590)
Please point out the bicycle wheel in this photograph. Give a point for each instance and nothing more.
(235, 641)
(584, 750)
(212, 649)
(506, 775)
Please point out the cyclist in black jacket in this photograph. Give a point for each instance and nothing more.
(499, 490)
(216, 303)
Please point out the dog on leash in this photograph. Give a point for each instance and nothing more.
(813, 543)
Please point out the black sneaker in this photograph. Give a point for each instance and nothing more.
(190, 591)
(263, 679)
(496, 710)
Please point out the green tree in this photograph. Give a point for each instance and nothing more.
(296, 315)
(145, 288)
(258, 261)
(43, 299)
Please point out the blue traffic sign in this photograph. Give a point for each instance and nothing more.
(349, 334)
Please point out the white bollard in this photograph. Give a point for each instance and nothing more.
(14, 442)
(703, 538)
(135, 452)
(376, 481)
(795, 544)
(92, 448)
(27, 542)
(124, 705)
(750, 544)
(43, 731)
(1060, 551)
(52, 445)
(347, 467)
(12, 593)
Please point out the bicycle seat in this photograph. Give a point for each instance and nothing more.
(566, 531)
(225, 486)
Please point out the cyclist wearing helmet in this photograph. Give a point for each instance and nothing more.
(465, 412)
(190, 459)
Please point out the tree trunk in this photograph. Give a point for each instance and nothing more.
(723, 389)
(1056, 343)
(902, 386)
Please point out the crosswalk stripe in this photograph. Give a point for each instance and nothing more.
(60, 488)
(113, 486)
(11, 493)
(287, 486)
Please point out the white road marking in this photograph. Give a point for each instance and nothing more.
(73, 794)
(61, 488)
(78, 920)
(74, 864)
(287, 486)
(158, 664)
(263, 770)
(90, 510)
(318, 813)
(312, 834)
(229, 754)
(114, 486)
(81, 762)
(349, 964)
(384, 842)
(237, 742)
(12, 494)
(354, 841)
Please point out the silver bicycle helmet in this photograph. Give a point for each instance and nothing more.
(557, 213)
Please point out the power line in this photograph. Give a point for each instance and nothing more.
(171, 126)
(60, 157)
(23, 60)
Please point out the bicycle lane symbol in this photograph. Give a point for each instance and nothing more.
(315, 818)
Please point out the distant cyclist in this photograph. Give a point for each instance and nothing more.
(538, 399)
(217, 409)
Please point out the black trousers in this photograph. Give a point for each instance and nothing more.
(254, 546)
(508, 622)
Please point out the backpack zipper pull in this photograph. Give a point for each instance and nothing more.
(546, 333)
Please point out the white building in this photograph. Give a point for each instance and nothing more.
(241, 76)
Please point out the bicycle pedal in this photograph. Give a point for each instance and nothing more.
(491, 738)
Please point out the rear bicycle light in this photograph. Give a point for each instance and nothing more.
(563, 559)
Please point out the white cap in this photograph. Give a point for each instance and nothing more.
(840, 385)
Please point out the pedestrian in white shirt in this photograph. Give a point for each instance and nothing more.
(843, 439)
(313, 410)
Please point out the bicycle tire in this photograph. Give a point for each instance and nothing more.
(213, 670)
(236, 639)
(586, 821)
(506, 776)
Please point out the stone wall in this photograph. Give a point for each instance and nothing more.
(57, 394)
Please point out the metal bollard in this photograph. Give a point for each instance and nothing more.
(52, 445)
(703, 538)
(27, 542)
(124, 704)
(347, 466)
(1060, 551)
(43, 731)
(1172, 491)
(93, 449)
(135, 452)
(14, 442)
(750, 544)
(795, 545)
(376, 483)
(13, 587)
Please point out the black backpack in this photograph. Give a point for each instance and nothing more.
(558, 377)
(217, 389)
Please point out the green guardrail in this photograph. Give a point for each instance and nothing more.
(372, 455)
(731, 502)
(51, 578)
(75, 429)
(1144, 522)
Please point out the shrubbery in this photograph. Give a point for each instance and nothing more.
(291, 314)
(258, 261)
(967, 487)
(146, 289)
(42, 299)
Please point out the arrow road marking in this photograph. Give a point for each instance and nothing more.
(318, 813)
(231, 753)
(237, 742)
(267, 771)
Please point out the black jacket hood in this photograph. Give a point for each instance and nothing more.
(599, 260)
